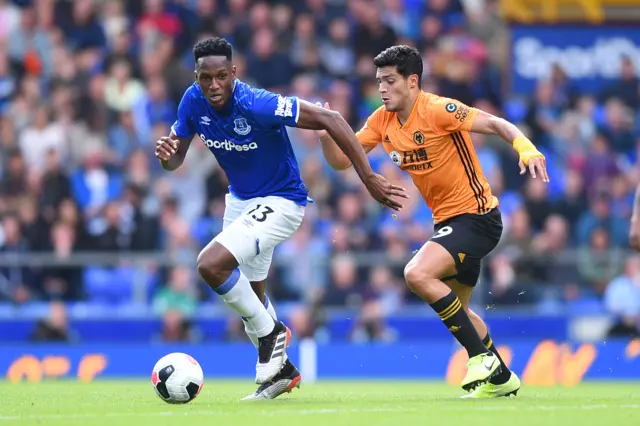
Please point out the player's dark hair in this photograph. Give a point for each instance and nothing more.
(407, 61)
(212, 46)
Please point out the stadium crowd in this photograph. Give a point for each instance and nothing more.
(86, 88)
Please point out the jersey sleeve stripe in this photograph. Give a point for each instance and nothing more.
(465, 149)
(469, 171)
(474, 174)
(297, 108)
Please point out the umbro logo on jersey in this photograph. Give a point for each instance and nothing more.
(205, 120)
(386, 139)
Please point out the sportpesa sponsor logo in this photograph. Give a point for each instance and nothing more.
(228, 145)
(596, 55)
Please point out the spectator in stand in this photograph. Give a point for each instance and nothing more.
(622, 300)
(85, 89)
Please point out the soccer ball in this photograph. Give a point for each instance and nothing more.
(177, 378)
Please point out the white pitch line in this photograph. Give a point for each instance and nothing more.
(319, 411)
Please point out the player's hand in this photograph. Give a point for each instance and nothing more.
(322, 133)
(537, 166)
(166, 147)
(383, 191)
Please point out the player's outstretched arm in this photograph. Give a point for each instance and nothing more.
(332, 153)
(171, 151)
(634, 229)
(489, 124)
(313, 117)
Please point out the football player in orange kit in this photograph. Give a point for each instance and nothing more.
(428, 136)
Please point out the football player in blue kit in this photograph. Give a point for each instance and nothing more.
(245, 128)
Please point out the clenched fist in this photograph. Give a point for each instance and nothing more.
(166, 147)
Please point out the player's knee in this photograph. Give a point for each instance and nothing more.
(206, 266)
(417, 277)
(212, 266)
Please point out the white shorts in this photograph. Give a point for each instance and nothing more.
(253, 228)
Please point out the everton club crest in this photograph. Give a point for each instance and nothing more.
(241, 126)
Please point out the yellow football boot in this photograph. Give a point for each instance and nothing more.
(489, 390)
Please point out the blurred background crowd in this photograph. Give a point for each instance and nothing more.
(86, 87)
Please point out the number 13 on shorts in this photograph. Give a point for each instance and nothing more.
(258, 226)
(260, 210)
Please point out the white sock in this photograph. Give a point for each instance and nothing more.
(247, 328)
(236, 291)
(252, 334)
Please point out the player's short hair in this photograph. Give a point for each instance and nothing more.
(406, 59)
(212, 46)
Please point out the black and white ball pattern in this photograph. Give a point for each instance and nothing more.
(177, 378)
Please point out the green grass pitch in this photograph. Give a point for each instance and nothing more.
(111, 403)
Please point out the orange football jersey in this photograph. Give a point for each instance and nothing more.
(435, 148)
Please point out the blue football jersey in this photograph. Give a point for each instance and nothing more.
(248, 138)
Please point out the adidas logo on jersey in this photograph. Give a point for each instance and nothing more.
(228, 145)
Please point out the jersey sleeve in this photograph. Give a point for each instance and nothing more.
(184, 126)
(450, 116)
(271, 109)
(370, 134)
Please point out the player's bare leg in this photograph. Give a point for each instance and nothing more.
(219, 269)
(289, 377)
(504, 384)
(259, 289)
(423, 276)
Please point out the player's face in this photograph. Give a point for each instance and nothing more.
(393, 88)
(215, 75)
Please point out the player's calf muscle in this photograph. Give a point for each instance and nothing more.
(258, 289)
(215, 264)
(477, 321)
